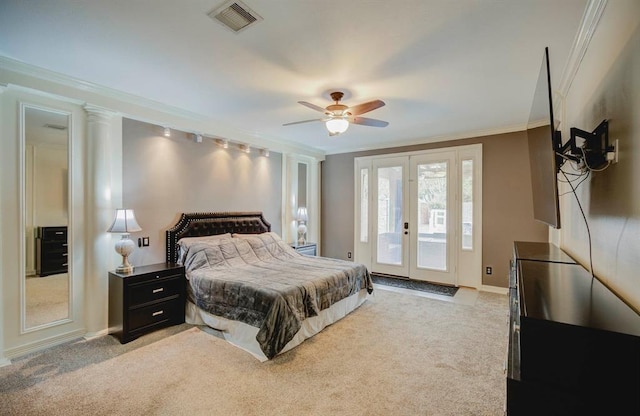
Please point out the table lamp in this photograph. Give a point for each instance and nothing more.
(124, 223)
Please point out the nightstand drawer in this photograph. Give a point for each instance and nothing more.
(155, 314)
(308, 249)
(155, 290)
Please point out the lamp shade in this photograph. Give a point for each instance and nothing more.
(302, 214)
(337, 125)
(125, 222)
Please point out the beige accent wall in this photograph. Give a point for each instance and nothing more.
(164, 177)
(607, 86)
(507, 202)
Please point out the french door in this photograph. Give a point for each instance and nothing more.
(418, 215)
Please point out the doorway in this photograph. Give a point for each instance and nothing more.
(418, 215)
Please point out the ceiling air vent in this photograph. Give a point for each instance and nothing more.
(235, 15)
(55, 126)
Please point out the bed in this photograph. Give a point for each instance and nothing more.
(265, 297)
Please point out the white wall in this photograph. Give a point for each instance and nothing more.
(607, 86)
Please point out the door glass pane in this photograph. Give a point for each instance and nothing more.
(364, 205)
(467, 204)
(390, 215)
(432, 216)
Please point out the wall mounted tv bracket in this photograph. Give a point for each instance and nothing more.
(594, 153)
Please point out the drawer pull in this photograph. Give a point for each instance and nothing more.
(157, 313)
(65, 245)
(65, 254)
(59, 232)
(65, 264)
(157, 276)
(161, 289)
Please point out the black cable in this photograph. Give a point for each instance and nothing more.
(582, 178)
(586, 223)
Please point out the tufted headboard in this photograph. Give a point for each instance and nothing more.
(198, 224)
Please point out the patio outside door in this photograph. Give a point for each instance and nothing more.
(391, 239)
(434, 222)
(418, 215)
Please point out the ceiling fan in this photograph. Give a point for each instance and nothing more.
(338, 116)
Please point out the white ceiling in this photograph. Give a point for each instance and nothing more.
(445, 68)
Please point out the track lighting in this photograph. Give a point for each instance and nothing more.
(222, 143)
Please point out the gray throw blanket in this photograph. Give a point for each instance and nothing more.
(261, 281)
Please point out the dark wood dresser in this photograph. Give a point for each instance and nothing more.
(574, 346)
(52, 254)
(150, 298)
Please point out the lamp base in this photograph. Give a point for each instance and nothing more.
(124, 247)
(302, 233)
(124, 269)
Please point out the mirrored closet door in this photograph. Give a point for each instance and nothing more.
(45, 286)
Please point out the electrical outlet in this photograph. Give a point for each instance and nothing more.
(349, 255)
(612, 156)
(489, 270)
(145, 241)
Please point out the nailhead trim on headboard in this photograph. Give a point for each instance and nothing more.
(198, 224)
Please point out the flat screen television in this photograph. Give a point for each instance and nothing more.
(544, 145)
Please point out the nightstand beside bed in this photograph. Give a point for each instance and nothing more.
(149, 298)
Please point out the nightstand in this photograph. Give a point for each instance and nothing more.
(308, 249)
(149, 298)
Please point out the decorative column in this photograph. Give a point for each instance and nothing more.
(3, 361)
(98, 215)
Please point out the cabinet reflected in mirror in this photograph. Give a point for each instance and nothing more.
(46, 291)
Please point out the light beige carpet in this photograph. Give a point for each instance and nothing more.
(47, 299)
(396, 355)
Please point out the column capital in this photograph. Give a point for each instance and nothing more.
(100, 113)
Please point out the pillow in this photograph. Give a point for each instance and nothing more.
(265, 245)
(247, 236)
(190, 240)
(185, 243)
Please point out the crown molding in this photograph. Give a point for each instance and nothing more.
(138, 108)
(590, 19)
(434, 139)
(73, 82)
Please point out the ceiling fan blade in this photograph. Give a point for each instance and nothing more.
(313, 106)
(372, 122)
(303, 121)
(364, 107)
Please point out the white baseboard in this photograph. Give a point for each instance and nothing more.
(4, 362)
(43, 344)
(91, 335)
(495, 289)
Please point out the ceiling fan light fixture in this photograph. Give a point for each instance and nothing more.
(337, 125)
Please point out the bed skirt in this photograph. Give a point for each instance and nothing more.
(244, 336)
